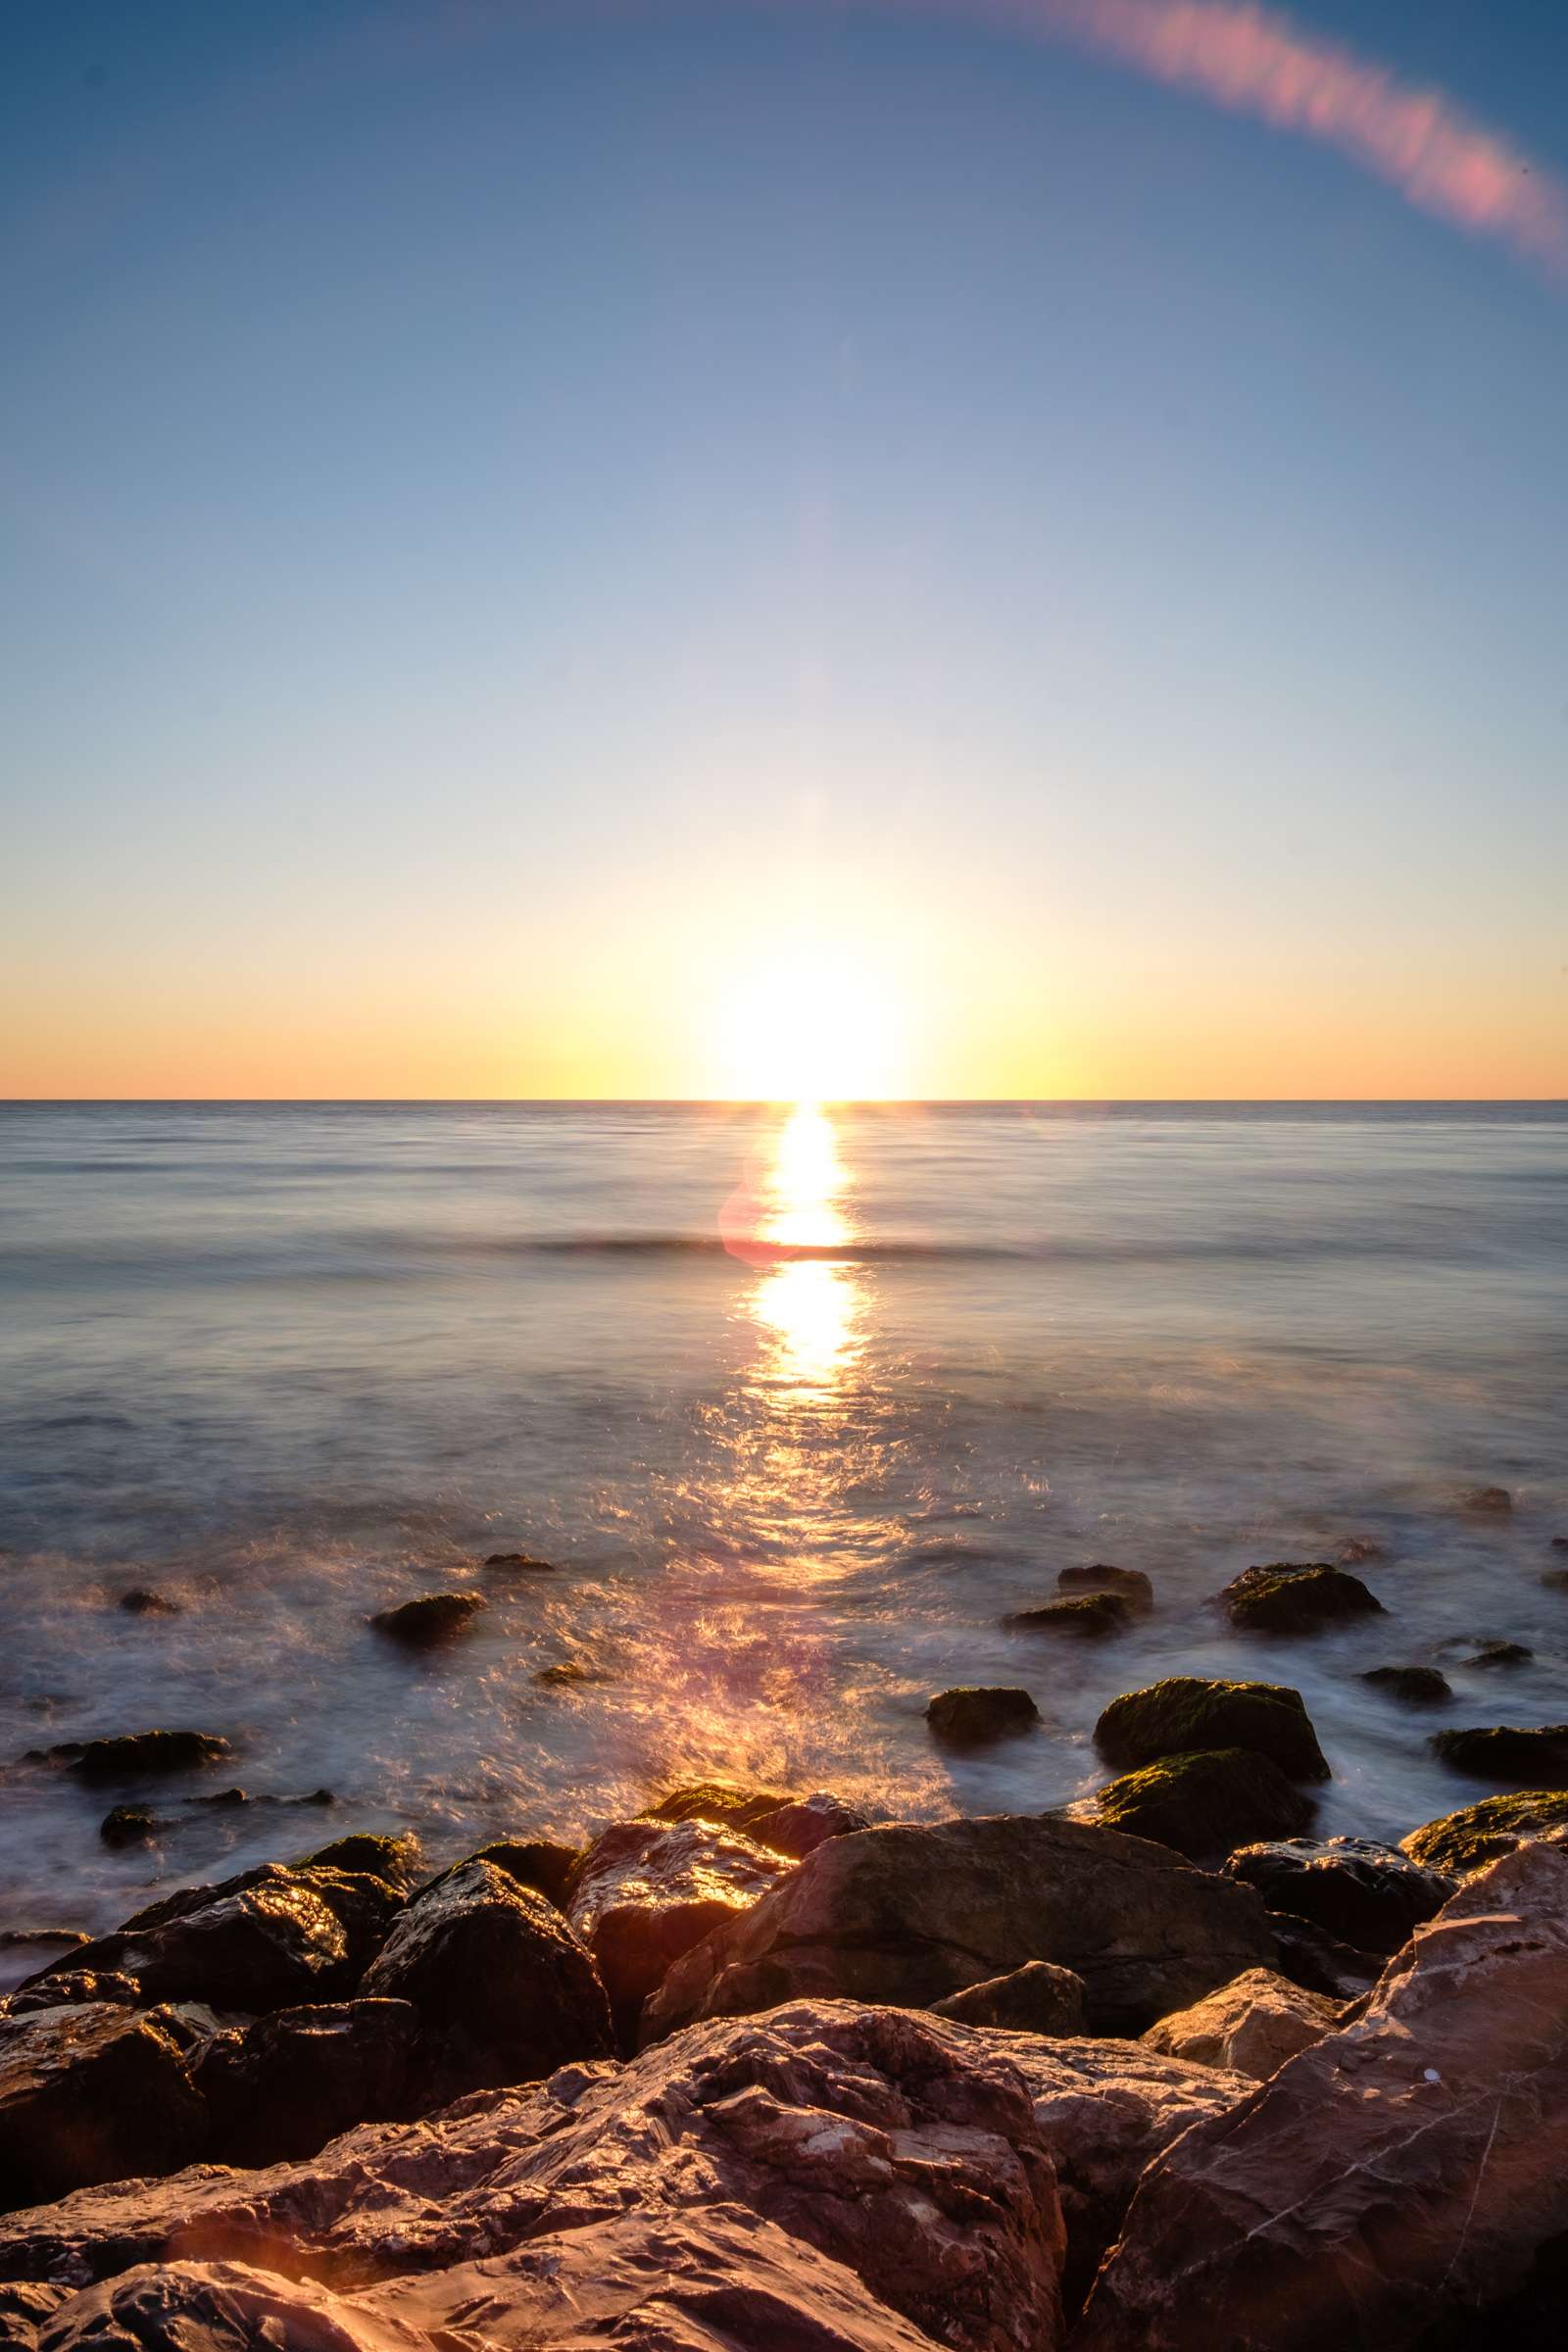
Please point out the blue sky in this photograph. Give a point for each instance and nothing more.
(525, 522)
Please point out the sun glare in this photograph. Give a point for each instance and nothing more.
(810, 1027)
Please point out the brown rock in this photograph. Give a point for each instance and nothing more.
(799, 1829)
(1288, 1598)
(1036, 1999)
(973, 1716)
(1089, 1614)
(1468, 1839)
(92, 2093)
(136, 1755)
(1536, 1758)
(1185, 1714)
(646, 1890)
(1202, 1805)
(431, 1618)
(1368, 1895)
(1249, 2027)
(291, 2081)
(1131, 1584)
(722, 1802)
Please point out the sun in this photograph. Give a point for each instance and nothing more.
(810, 1025)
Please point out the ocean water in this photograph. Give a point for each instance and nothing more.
(799, 1404)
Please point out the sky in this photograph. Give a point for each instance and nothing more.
(636, 549)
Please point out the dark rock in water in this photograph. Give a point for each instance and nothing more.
(1186, 1713)
(969, 1716)
(1555, 1580)
(1252, 2025)
(91, 2094)
(291, 2081)
(520, 1561)
(1320, 1962)
(1467, 1840)
(1133, 1585)
(1559, 1542)
(142, 1603)
(226, 1799)
(1367, 1894)
(395, 1861)
(42, 1939)
(912, 1913)
(1538, 1758)
(1415, 1685)
(718, 1801)
(1487, 1499)
(495, 1968)
(799, 1829)
(128, 1824)
(135, 1754)
(1205, 1804)
(1289, 1599)
(1356, 1549)
(66, 1987)
(1402, 2177)
(1091, 1613)
(1501, 1653)
(432, 1618)
(646, 1890)
(536, 1862)
(569, 1671)
(1036, 1999)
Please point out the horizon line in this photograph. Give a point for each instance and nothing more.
(766, 1101)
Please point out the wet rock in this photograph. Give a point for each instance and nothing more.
(1205, 1804)
(1412, 1686)
(92, 2093)
(1186, 1713)
(1538, 1758)
(128, 1824)
(434, 1617)
(140, 1602)
(1130, 1584)
(1555, 1580)
(799, 1829)
(722, 1802)
(1250, 2026)
(1320, 1962)
(1501, 1653)
(1392, 2184)
(908, 2153)
(66, 1987)
(1285, 1599)
(1559, 1542)
(396, 1861)
(521, 1563)
(1088, 1613)
(138, 1755)
(646, 1890)
(1466, 1840)
(971, 1717)
(1036, 1999)
(42, 1939)
(914, 1912)
(536, 1862)
(1368, 1895)
(569, 1671)
(1486, 1500)
(288, 2083)
(496, 1970)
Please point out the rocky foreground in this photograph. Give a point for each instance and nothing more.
(749, 2073)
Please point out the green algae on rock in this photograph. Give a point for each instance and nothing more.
(1186, 1713)
(1205, 1804)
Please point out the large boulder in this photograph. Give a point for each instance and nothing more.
(723, 1802)
(1468, 1839)
(396, 1861)
(542, 1863)
(1205, 1804)
(1393, 2184)
(973, 1715)
(1367, 1894)
(495, 1970)
(1536, 1758)
(646, 1890)
(94, 2092)
(1036, 1999)
(288, 2083)
(1186, 1713)
(798, 1828)
(1250, 2026)
(1285, 1599)
(912, 1913)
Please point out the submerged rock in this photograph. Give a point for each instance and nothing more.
(1393, 2184)
(288, 2083)
(799, 1829)
(646, 1890)
(1250, 2026)
(1538, 1758)
(1131, 1584)
(1555, 1580)
(1488, 1501)
(1205, 1804)
(128, 1824)
(1368, 1895)
(1285, 1599)
(1413, 1685)
(971, 1716)
(432, 1618)
(92, 2093)
(140, 1602)
(1501, 1653)
(133, 1755)
(1036, 1999)
(1091, 1613)
(914, 1912)
(1468, 1839)
(722, 1802)
(396, 1861)
(1186, 1713)
(521, 1562)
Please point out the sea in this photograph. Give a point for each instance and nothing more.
(798, 1402)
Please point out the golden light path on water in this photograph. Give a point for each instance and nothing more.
(807, 1306)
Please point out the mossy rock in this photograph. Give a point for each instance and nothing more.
(1131, 1584)
(1186, 1713)
(1205, 1804)
(1290, 1599)
(137, 1753)
(1412, 1686)
(431, 1618)
(973, 1715)
(1467, 1840)
(395, 1861)
(1091, 1614)
(722, 1802)
(1536, 1758)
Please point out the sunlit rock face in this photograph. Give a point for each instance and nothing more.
(646, 1892)
(1250, 2025)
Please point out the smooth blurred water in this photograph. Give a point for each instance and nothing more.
(800, 1410)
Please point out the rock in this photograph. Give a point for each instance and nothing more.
(1295, 1600)
(1205, 1804)
(1414, 1686)
(646, 1890)
(1467, 1840)
(969, 1717)
(536, 1862)
(1555, 1580)
(432, 1618)
(1309, 1956)
(567, 1671)
(1036, 1999)
(42, 1939)
(520, 1561)
(396, 1861)
(1368, 1895)
(65, 1988)
(89, 2094)
(1487, 1499)
(141, 1603)
(136, 1755)
(1404, 2175)
(913, 1912)
(1089, 1613)
(720, 1801)
(1186, 1713)
(1131, 1584)
(1250, 2026)
(874, 2152)
(1354, 1550)
(1538, 1758)
(1501, 1653)
(291, 2081)
(128, 1824)
(799, 1829)
(1559, 1542)
(496, 1970)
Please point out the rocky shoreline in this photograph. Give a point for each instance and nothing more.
(1162, 2071)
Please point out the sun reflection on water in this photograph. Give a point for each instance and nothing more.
(807, 1304)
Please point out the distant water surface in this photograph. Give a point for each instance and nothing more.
(800, 1405)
